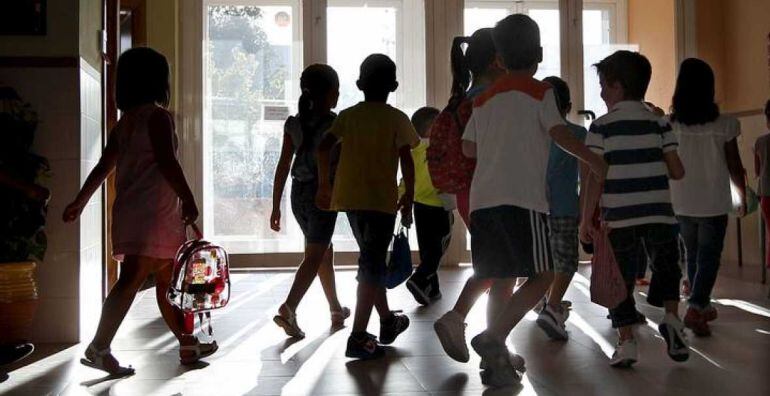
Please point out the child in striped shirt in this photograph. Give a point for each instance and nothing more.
(641, 152)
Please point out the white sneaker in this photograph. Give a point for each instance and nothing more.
(450, 330)
(625, 354)
(552, 322)
(517, 361)
(672, 330)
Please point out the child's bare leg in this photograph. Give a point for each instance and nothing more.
(561, 282)
(499, 294)
(381, 303)
(306, 273)
(172, 315)
(520, 303)
(625, 333)
(473, 289)
(672, 307)
(366, 295)
(328, 283)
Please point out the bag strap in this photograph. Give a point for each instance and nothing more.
(197, 234)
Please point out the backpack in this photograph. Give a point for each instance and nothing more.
(450, 170)
(201, 277)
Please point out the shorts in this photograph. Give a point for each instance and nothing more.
(509, 241)
(373, 232)
(317, 225)
(564, 243)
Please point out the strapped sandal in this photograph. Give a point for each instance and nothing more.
(98, 362)
(338, 317)
(199, 351)
(288, 321)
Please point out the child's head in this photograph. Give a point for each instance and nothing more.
(693, 102)
(320, 87)
(477, 61)
(377, 77)
(422, 119)
(142, 78)
(561, 91)
(624, 75)
(517, 39)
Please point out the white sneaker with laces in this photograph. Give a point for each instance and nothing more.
(552, 321)
(672, 330)
(625, 354)
(450, 329)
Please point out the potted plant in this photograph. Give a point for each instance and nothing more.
(23, 204)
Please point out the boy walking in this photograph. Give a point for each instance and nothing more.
(433, 216)
(562, 179)
(510, 133)
(641, 151)
(374, 138)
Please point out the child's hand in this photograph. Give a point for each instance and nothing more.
(72, 211)
(189, 211)
(598, 167)
(586, 233)
(275, 220)
(323, 198)
(405, 207)
(742, 207)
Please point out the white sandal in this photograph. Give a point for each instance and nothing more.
(200, 351)
(98, 362)
(338, 317)
(288, 321)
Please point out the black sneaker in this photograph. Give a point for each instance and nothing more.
(390, 328)
(364, 347)
(420, 288)
(13, 353)
(435, 291)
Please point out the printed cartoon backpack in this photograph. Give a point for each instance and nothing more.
(201, 277)
(450, 171)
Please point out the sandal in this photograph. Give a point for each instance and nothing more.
(287, 319)
(97, 362)
(338, 317)
(199, 351)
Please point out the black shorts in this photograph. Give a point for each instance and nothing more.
(317, 225)
(509, 242)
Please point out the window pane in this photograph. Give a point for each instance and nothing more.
(548, 20)
(482, 17)
(358, 28)
(251, 66)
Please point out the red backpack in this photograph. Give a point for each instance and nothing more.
(450, 170)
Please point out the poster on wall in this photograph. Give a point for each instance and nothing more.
(23, 17)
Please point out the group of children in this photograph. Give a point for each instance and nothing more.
(522, 206)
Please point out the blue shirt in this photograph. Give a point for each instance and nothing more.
(563, 178)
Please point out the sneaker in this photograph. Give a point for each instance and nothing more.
(287, 319)
(625, 354)
(390, 328)
(364, 347)
(552, 322)
(435, 291)
(517, 361)
(672, 331)
(450, 329)
(424, 289)
(695, 321)
(709, 313)
(500, 372)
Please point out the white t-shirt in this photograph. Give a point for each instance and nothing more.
(510, 126)
(705, 189)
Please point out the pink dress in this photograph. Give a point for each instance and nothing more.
(147, 215)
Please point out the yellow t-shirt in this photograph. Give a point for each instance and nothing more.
(371, 135)
(424, 191)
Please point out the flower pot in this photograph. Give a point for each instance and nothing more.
(18, 300)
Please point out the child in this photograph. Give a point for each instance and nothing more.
(635, 200)
(152, 205)
(374, 137)
(432, 217)
(563, 219)
(510, 134)
(302, 134)
(708, 147)
(762, 170)
(477, 68)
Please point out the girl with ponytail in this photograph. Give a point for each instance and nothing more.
(302, 134)
(472, 72)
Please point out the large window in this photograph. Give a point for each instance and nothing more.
(252, 60)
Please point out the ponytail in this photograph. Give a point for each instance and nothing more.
(471, 64)
(461, 75)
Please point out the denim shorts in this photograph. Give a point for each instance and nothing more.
(317, 225)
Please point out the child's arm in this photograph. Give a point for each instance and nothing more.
(757, 164)
(589, 197)
(584, 174)
(324, 195)
(737, 173)
(95, 179)
(407, 199)
(674, 165)
(469, 149)
(279, 182)
(569, 143)
(161, 129)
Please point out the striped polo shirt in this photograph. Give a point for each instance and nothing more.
(632, 140)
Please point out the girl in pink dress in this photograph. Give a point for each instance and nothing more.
(152, 205)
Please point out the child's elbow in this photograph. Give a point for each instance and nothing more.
(677, 174)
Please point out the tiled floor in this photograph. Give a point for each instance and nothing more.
(256, 358)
